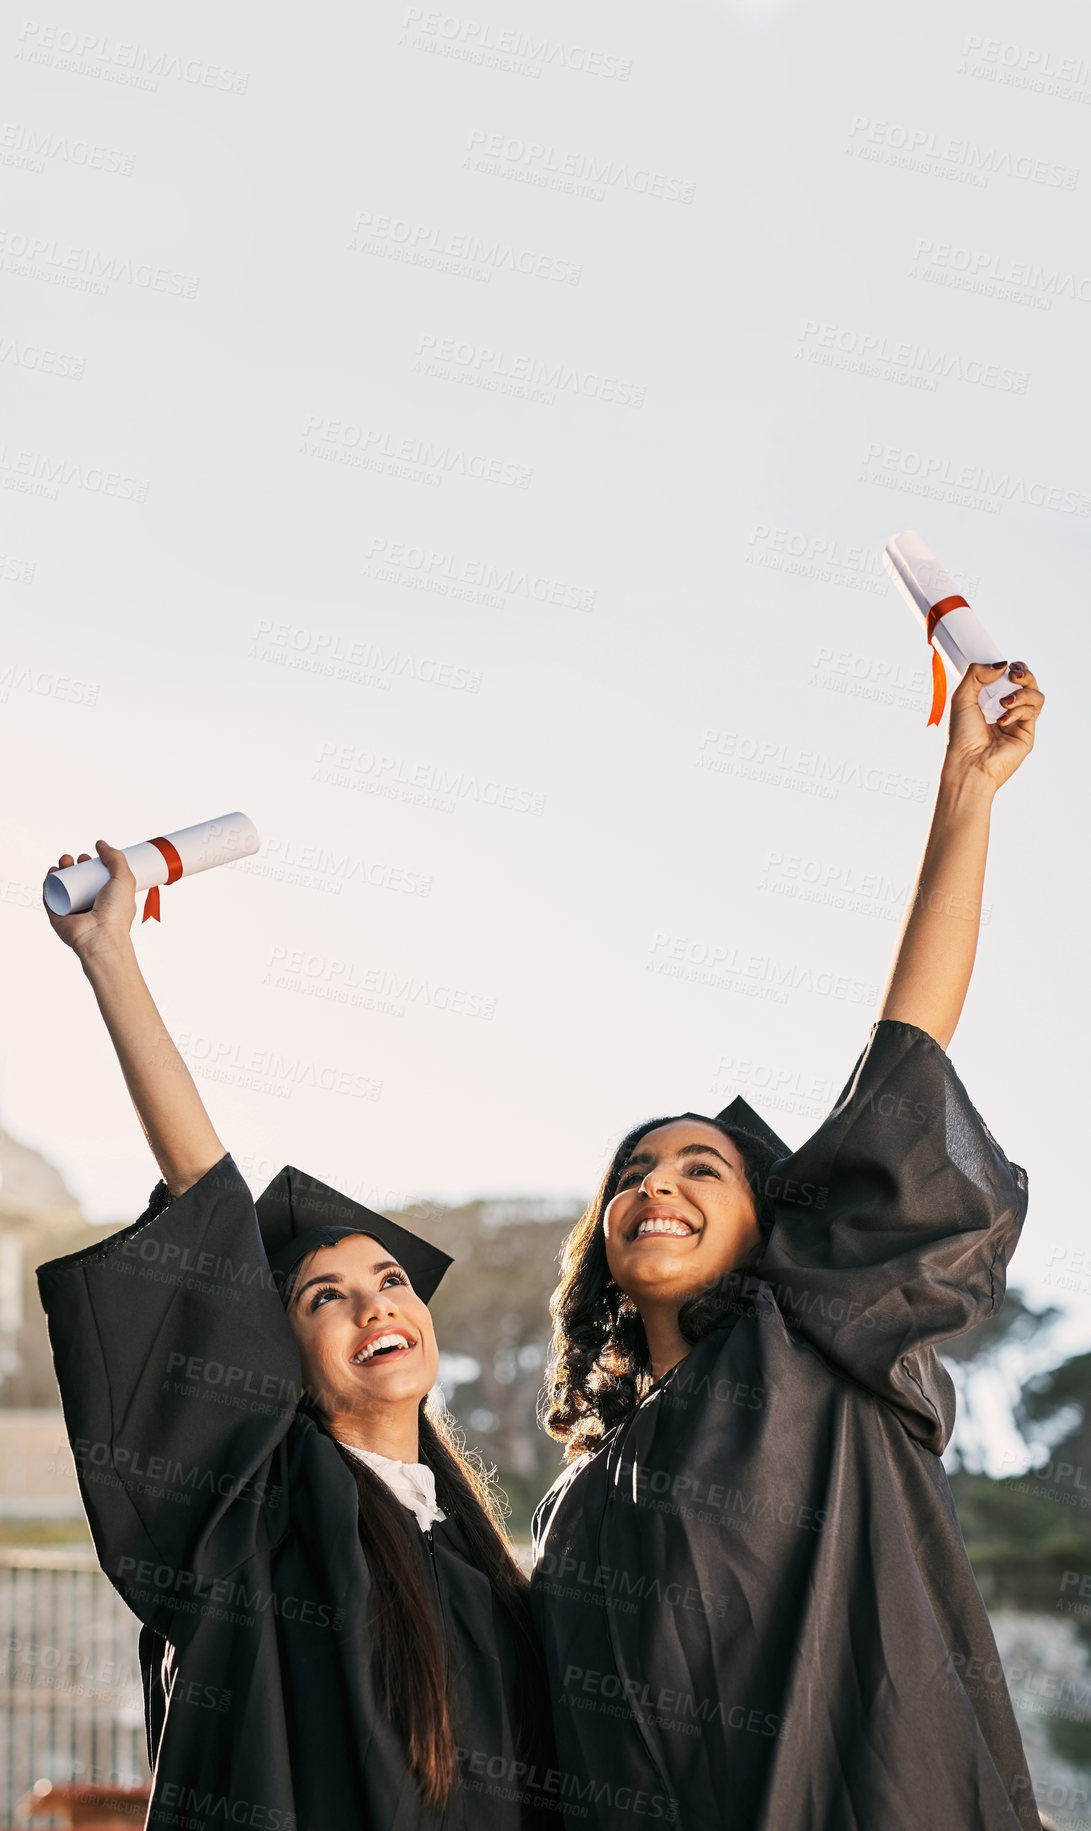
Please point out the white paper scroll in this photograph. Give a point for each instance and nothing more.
(196, 848)
(958, 634)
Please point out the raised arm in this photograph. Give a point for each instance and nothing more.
(934, 956)
(169, 1108)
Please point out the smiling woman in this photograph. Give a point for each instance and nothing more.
(366, 1342)
(628, 1308)
(662, 1249)
(750, 1583)
(293, 1522)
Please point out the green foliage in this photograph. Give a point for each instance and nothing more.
(1047, 1394)
(1029, 1535)
(1013, 1323)
(493, 1306)
(1071, 1740)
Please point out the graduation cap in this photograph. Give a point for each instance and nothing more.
(297, 1213)
(742, 1114)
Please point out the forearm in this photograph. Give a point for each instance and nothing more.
(934, 957)
(169, 1108)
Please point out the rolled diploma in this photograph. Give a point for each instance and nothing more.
(213, 842)
(922, 582)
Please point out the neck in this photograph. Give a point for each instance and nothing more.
(391, 1432)
(666, 1343)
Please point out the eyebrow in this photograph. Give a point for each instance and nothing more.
(384, 1265)
(687, 1150)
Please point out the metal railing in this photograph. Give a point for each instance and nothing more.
(72, 1704)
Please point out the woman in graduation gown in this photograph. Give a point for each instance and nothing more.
(750, 1582)
(335, 1632)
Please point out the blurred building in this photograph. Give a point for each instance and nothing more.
(39, 1219)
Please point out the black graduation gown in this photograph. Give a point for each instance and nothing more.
(228, 1523)
(754, 1596)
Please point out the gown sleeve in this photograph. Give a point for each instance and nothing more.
(893, 1226)
(179, 1377)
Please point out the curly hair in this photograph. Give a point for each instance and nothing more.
(600, 1368)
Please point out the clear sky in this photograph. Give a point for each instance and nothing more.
(464, 440)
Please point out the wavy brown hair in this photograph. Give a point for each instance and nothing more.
(408, 1661)
(600, 1367)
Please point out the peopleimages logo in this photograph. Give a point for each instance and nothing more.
(355, 766)
(43, 257)
(119, 60)
(432, 569)
(355, 660)
(45, 361)
(519, 373)
(992, 487)
(29, 148)
(782, 764)
(901, 359)
(456, 252)
(478, 41)
(421, 459)
(980, 271)
(1053, 64)
(947, 155)
(39, 473)
(732, 968)
(587, 174)
(1039, 69)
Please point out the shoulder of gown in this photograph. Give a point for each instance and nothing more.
(179, 1377)
(894, 1225)
(545, 1511)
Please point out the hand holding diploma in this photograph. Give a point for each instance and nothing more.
(948, 621)
(171, 1111)
(934, 957)
(111, 917)
(74, 886)
(994, 707)
(992, 749)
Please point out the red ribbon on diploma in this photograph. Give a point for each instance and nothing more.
(939, 677)
(174, 868)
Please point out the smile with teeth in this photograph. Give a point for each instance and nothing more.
(662, 1224)
(381, 1344)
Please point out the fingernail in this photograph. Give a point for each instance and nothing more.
(994, 664)
(1018, 667)
(1005, 698)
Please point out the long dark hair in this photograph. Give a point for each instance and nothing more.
(407, 1647)
(600, 1367)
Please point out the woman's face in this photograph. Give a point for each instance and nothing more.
(683, 1214)
(365, 1338)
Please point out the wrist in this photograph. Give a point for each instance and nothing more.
(963, 787)
(102, 956)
